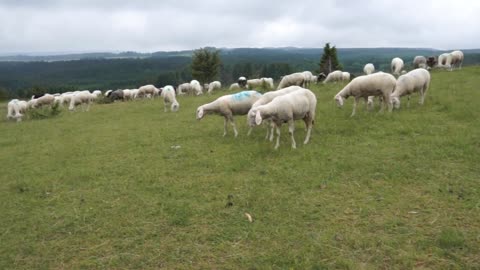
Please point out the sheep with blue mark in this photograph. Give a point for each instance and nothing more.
(228, 106)
(168, 95)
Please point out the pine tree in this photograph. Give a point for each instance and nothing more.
(329, 61)
(205, 64)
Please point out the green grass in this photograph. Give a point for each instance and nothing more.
(104, 188)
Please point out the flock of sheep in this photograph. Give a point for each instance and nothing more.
(291, 101)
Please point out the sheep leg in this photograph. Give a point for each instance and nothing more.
(388, 102)
(278, 137)
(225, 120)
(408, 101)
(291, 129)
(232, 122)
(355, 101)
(422, 96)
(309, 130)
(272, 129)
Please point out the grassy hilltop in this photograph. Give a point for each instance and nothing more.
(105, 188)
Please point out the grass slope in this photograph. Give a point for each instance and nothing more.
(104, 189)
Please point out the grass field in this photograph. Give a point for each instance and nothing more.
(105, 188)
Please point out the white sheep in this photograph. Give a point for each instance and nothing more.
(269, 83)
(127, 94)
(148, 90)
(417, 80)
(345, 76)
(168, 95)
(376, 84)
(15, 108)
(457, 59)
(234, 86)
(80, 98)
(213, 85)
(420, 62)
(369, 69)
(97, 93)
(197, 88)
(264, 99)
(107, 93)
(228, 106)
(396, 66)
(46, 99)
(299, 104)
(308, 78)
(334, 76)
(292, 79)
(134, 93)
(445, 60)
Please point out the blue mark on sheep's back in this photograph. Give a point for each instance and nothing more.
(243, 95)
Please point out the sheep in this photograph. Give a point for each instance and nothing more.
(268, 82)
(254, 83)
(116, 95)
(376, 84)
(445, 60)
(183, 89)
(417, 80)
(107, 93)
(242, 82)
(212, 86)
(228, 106)
(308, 78)
(369, 69)
(299, 104)
(396, 66)
(419, 62)
(266, 98)
(315, 79)
(345, 76)
(83, 97)
(15, 108)
(234, 86)
(168, 95)
(45, 99)
(457, 59)
(292, 79)
(148, 90)
(334, 76)
(134, 93)
(197, 88)
(127, 94)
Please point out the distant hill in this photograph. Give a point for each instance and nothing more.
(20, 75)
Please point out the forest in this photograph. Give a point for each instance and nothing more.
(23, 75)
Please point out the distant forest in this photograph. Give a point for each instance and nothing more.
(22, 76)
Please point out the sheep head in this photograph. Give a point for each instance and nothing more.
(339, 100)
(200, 113)
(258, 118)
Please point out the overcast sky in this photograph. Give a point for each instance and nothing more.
(154, 25)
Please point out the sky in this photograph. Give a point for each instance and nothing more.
(39, 26)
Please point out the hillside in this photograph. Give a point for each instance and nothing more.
(127, 186)
(21, 78)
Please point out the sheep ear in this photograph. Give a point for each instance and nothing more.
(258, 118)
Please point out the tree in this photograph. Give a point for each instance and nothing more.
(205, 64)
(329, 61)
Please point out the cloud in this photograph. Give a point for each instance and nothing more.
(87, 25)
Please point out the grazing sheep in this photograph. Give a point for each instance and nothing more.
(308, 78)
(127, 94)
(228, 106)
(315, 79)
(345, 76)
(376, 84)
(15, 108)
(266, 98)
(292, 79)
(299, 104)
(107, 93)
(234, 86)
(457, 59)
(197, 88)
(445, 60)
(417, 80)
(184, 88)
(269, 83)
(116, 95)
(396, 66)
(419, 62)
(168, 95)
(334, 76)
(45, 99)
(369, 69)
(79, 98)
(148, 90)
(212, 86)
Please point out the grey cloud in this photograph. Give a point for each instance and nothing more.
(87, 25)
